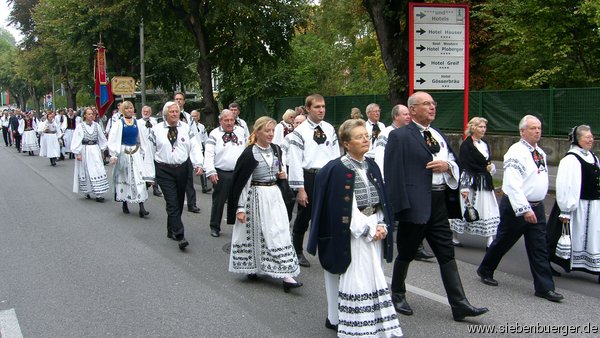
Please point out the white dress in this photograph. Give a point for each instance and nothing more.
(584, 214)
(484, 201)
(30, 140)
(364, 302)
(130, 173)
(50, 133)
(263, 244)
(89, 174)
(68, 137)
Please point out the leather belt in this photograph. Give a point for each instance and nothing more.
(89, 142)
(438, 187)
(534, 204)
(368, 211)
(49, 132)
(312, 170)
(263, 184)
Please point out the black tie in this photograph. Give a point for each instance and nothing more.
(172, 135)
(538, 159)
(433, 145)
(148, 124)
(319, 136)
(375, 132)
(182, 117)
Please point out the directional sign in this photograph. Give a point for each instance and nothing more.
(439, 46)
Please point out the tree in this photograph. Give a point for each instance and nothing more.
(231, 35)
(390, 19)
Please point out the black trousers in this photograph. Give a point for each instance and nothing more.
(437, 232)
(510, 229)
(190, 191)
(172, 182)
(219, 197)
(7, 139)
(304, 213)
(17, 138)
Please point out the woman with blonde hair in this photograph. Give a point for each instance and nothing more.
(283, 128)
(261, 241)
(127, 150)
(476, 186)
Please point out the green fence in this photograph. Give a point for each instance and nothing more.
(558, 109)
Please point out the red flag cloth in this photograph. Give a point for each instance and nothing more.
(102, 88)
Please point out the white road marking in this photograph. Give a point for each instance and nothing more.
(9, 325)
(422, 292)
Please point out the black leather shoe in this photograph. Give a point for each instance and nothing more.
(423, 254)
(302, 261)
(467, 310)
(215, 233)
(157, 192)
(206, 191)
(550, 295)
(401, 305)
(287, 286)
(171, 236)
(487, 280)
(100, 199)
(125, 208)
(329, 325)
(194, 209)
(252, 276)
(87, 196)
(182, 243)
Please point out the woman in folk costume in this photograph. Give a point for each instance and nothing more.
(261, 241)
(29, 143)
(50, 133)
(577, 205)
(127, 149)
(476, 184)
(349, 229)
(87, 144)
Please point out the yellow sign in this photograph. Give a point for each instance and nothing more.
(123, 85)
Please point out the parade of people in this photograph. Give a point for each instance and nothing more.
(349, 169)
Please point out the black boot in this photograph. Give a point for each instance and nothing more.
(125, 208)
(143, 211)
(461, 307)
(204, 183)
(399, 288)
(156, 191)
(297, 240)
(423, 254)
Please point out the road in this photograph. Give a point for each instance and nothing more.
(71, 267)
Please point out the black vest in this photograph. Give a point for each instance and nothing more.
(590, 179)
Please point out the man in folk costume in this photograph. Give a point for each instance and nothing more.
(146, 122)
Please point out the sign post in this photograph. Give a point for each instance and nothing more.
(439, 49)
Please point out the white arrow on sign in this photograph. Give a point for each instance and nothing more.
(440, 15)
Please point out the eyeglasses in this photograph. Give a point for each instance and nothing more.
(361, 137)
(426, 103)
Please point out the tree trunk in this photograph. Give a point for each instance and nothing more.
(390, 19)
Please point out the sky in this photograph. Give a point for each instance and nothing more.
(4, 11)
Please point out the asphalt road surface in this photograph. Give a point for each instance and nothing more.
(71, 267)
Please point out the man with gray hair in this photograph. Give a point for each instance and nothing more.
(525, 184)
(223, 147)
(374, 127)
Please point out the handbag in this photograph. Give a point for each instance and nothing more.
(471, 214)
(289, 198)
(563, 247)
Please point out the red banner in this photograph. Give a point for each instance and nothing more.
(104, 96)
